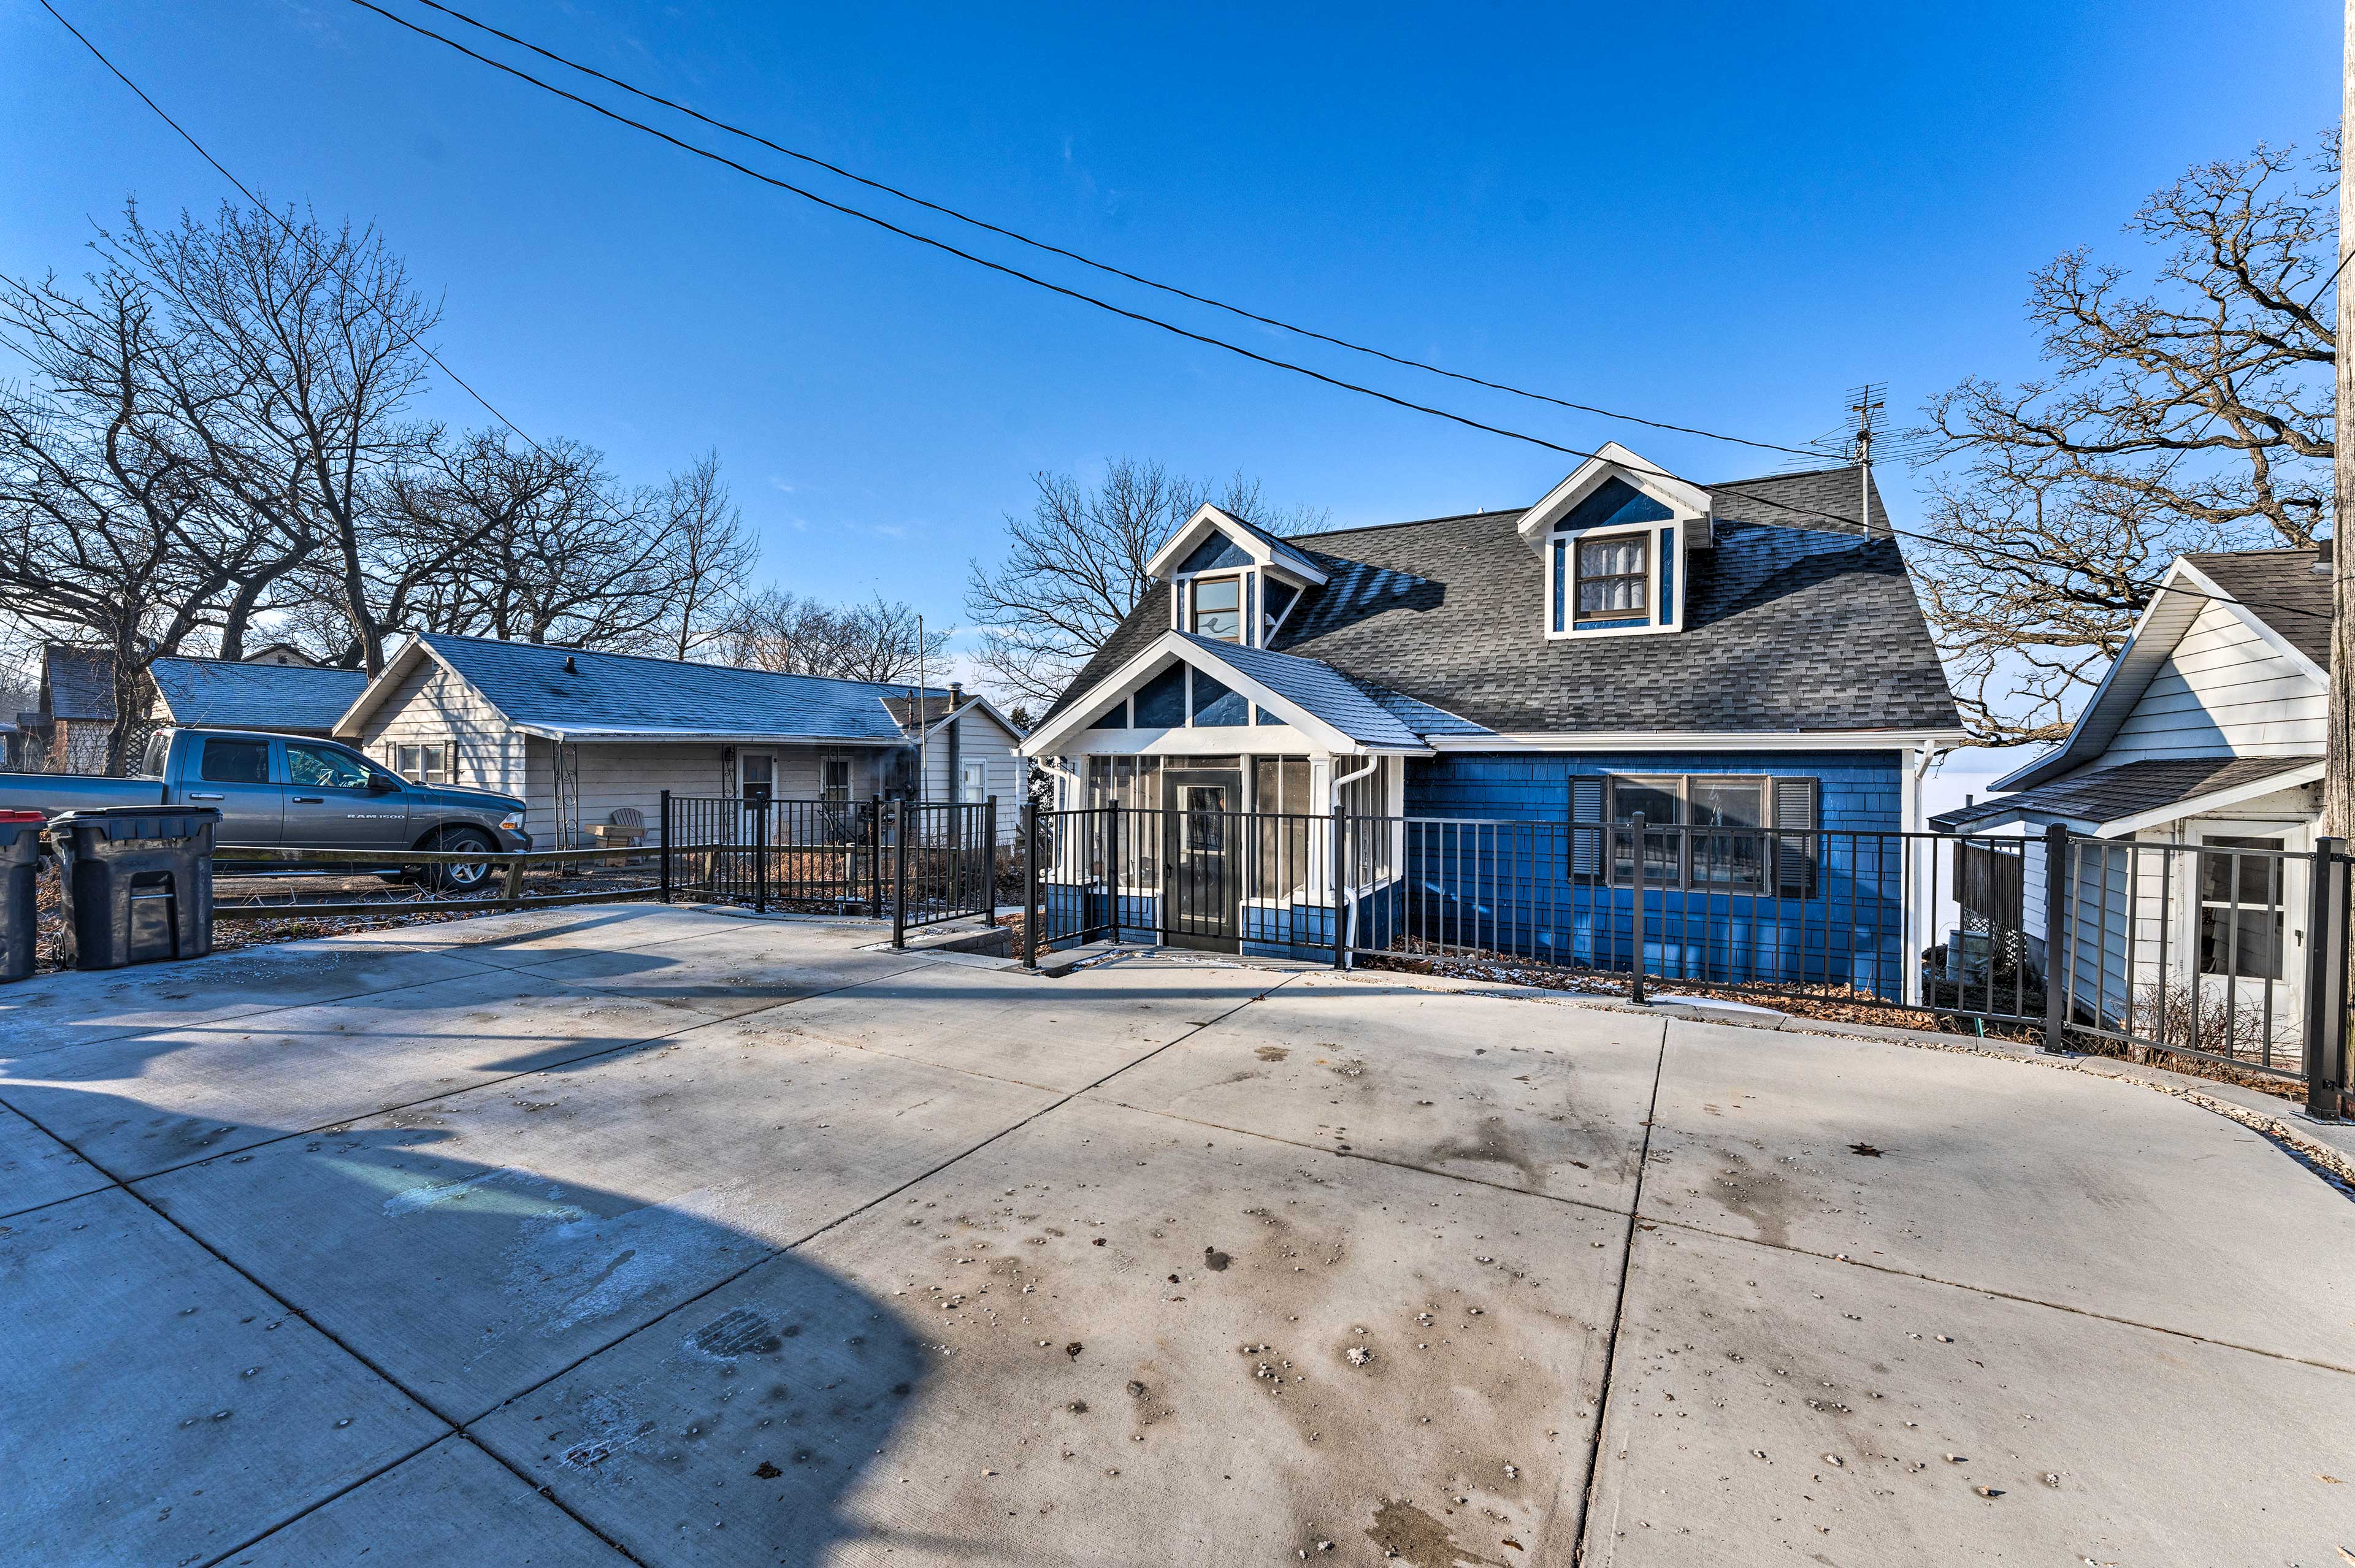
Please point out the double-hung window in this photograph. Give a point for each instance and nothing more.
(1614, 577)
(1219, 608)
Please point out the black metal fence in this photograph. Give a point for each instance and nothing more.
(914, 864)
(2225, 950)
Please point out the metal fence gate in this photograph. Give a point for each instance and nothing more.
(914, 864)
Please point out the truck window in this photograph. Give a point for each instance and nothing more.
(236, 762)
(152, 756)
(324, 767)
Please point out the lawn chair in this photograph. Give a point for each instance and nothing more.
(626, 830)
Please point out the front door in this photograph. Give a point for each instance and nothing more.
(2248, 943)
(1201, 882)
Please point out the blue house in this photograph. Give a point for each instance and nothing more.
(1490, 702)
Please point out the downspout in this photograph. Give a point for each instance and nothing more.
(1348, 947)
(1923, 918)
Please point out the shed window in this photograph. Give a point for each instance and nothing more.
(433, 764)
(2240, 909)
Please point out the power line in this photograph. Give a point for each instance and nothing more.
(1861, 523)
(1104, 267)
(1864, 524)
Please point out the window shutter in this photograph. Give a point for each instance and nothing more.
(1795, 842)
(1586, 827)
(449, 763)
(392, 756)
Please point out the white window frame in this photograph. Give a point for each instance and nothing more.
(408, 762)
(1657, 551)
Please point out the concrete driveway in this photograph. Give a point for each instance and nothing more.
(668, 1236)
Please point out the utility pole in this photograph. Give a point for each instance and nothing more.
(925, 701)
(2339, 772)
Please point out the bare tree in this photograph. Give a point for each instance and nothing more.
(315, 332)
(110, 533)
(2194, 413)
(707, 555)
(774, 630)
(1075, 567)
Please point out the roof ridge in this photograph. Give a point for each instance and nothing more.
(891, 686)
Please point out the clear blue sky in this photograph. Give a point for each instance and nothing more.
(1716, 215)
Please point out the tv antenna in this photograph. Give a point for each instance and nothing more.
(1863, 436)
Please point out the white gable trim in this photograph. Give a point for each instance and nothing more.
(1209, 520)
(1688, 503)
(396, 670)
(2215, 800)
(1174, 647)
(2162, 625)
(977, 703)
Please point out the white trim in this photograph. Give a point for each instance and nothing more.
(1177, 647)
(395, 671)
(1654, 557)
(1207, 519)
(2120, 690)
(1701, 740)
(2215, 800)
(1688, 503)
(971, 702)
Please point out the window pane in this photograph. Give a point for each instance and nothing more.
(237, 762)
(2259, 875)
(1655, 798)
(322, 769)
(1218, 608)
(2259, 936)
(1729, 802)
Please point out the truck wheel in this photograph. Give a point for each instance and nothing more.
(463, 877)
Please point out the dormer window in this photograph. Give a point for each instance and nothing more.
(1218, 608)
(1614, 580)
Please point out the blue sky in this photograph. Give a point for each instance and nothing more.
(1716, 215)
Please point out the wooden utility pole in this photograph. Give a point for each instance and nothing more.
(2339, 775)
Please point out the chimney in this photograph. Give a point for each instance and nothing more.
(956, 696)
(570, 667)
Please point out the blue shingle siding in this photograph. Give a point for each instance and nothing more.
(1214, 552)
(1510, 891)
(1614, 501)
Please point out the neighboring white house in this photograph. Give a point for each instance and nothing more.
(579, 735)
(2209, 730)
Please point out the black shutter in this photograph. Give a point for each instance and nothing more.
(1796, 842)
(1586, 797)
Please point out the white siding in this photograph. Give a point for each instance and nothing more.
(2223, 692)
(980, 738)
(432, 706)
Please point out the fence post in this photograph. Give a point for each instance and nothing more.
(989, 854)
(1030, 884)
(2056, 920)
(2326, 981)
(666, 847)
(514, 888)
(1340, 829)
(759, 805)
(899, 873)
(1636, 991)
(1111, 875)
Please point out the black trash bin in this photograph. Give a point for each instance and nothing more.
(138, 883)
(20, 911)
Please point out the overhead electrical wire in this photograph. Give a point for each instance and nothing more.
(1052, 248)
(1138, 316)
(1843, 520)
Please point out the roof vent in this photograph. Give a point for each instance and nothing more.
(570, 667)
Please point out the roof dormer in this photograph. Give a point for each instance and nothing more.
(1231, 579)
(1610, 542)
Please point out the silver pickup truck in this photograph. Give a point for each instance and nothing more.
(289, 791)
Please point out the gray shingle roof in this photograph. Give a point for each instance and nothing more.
(1793, 622)
(225, 695)
(623, 694)
(2129, 789)
(79, 682)
(2280, 588)
(1319, 688)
